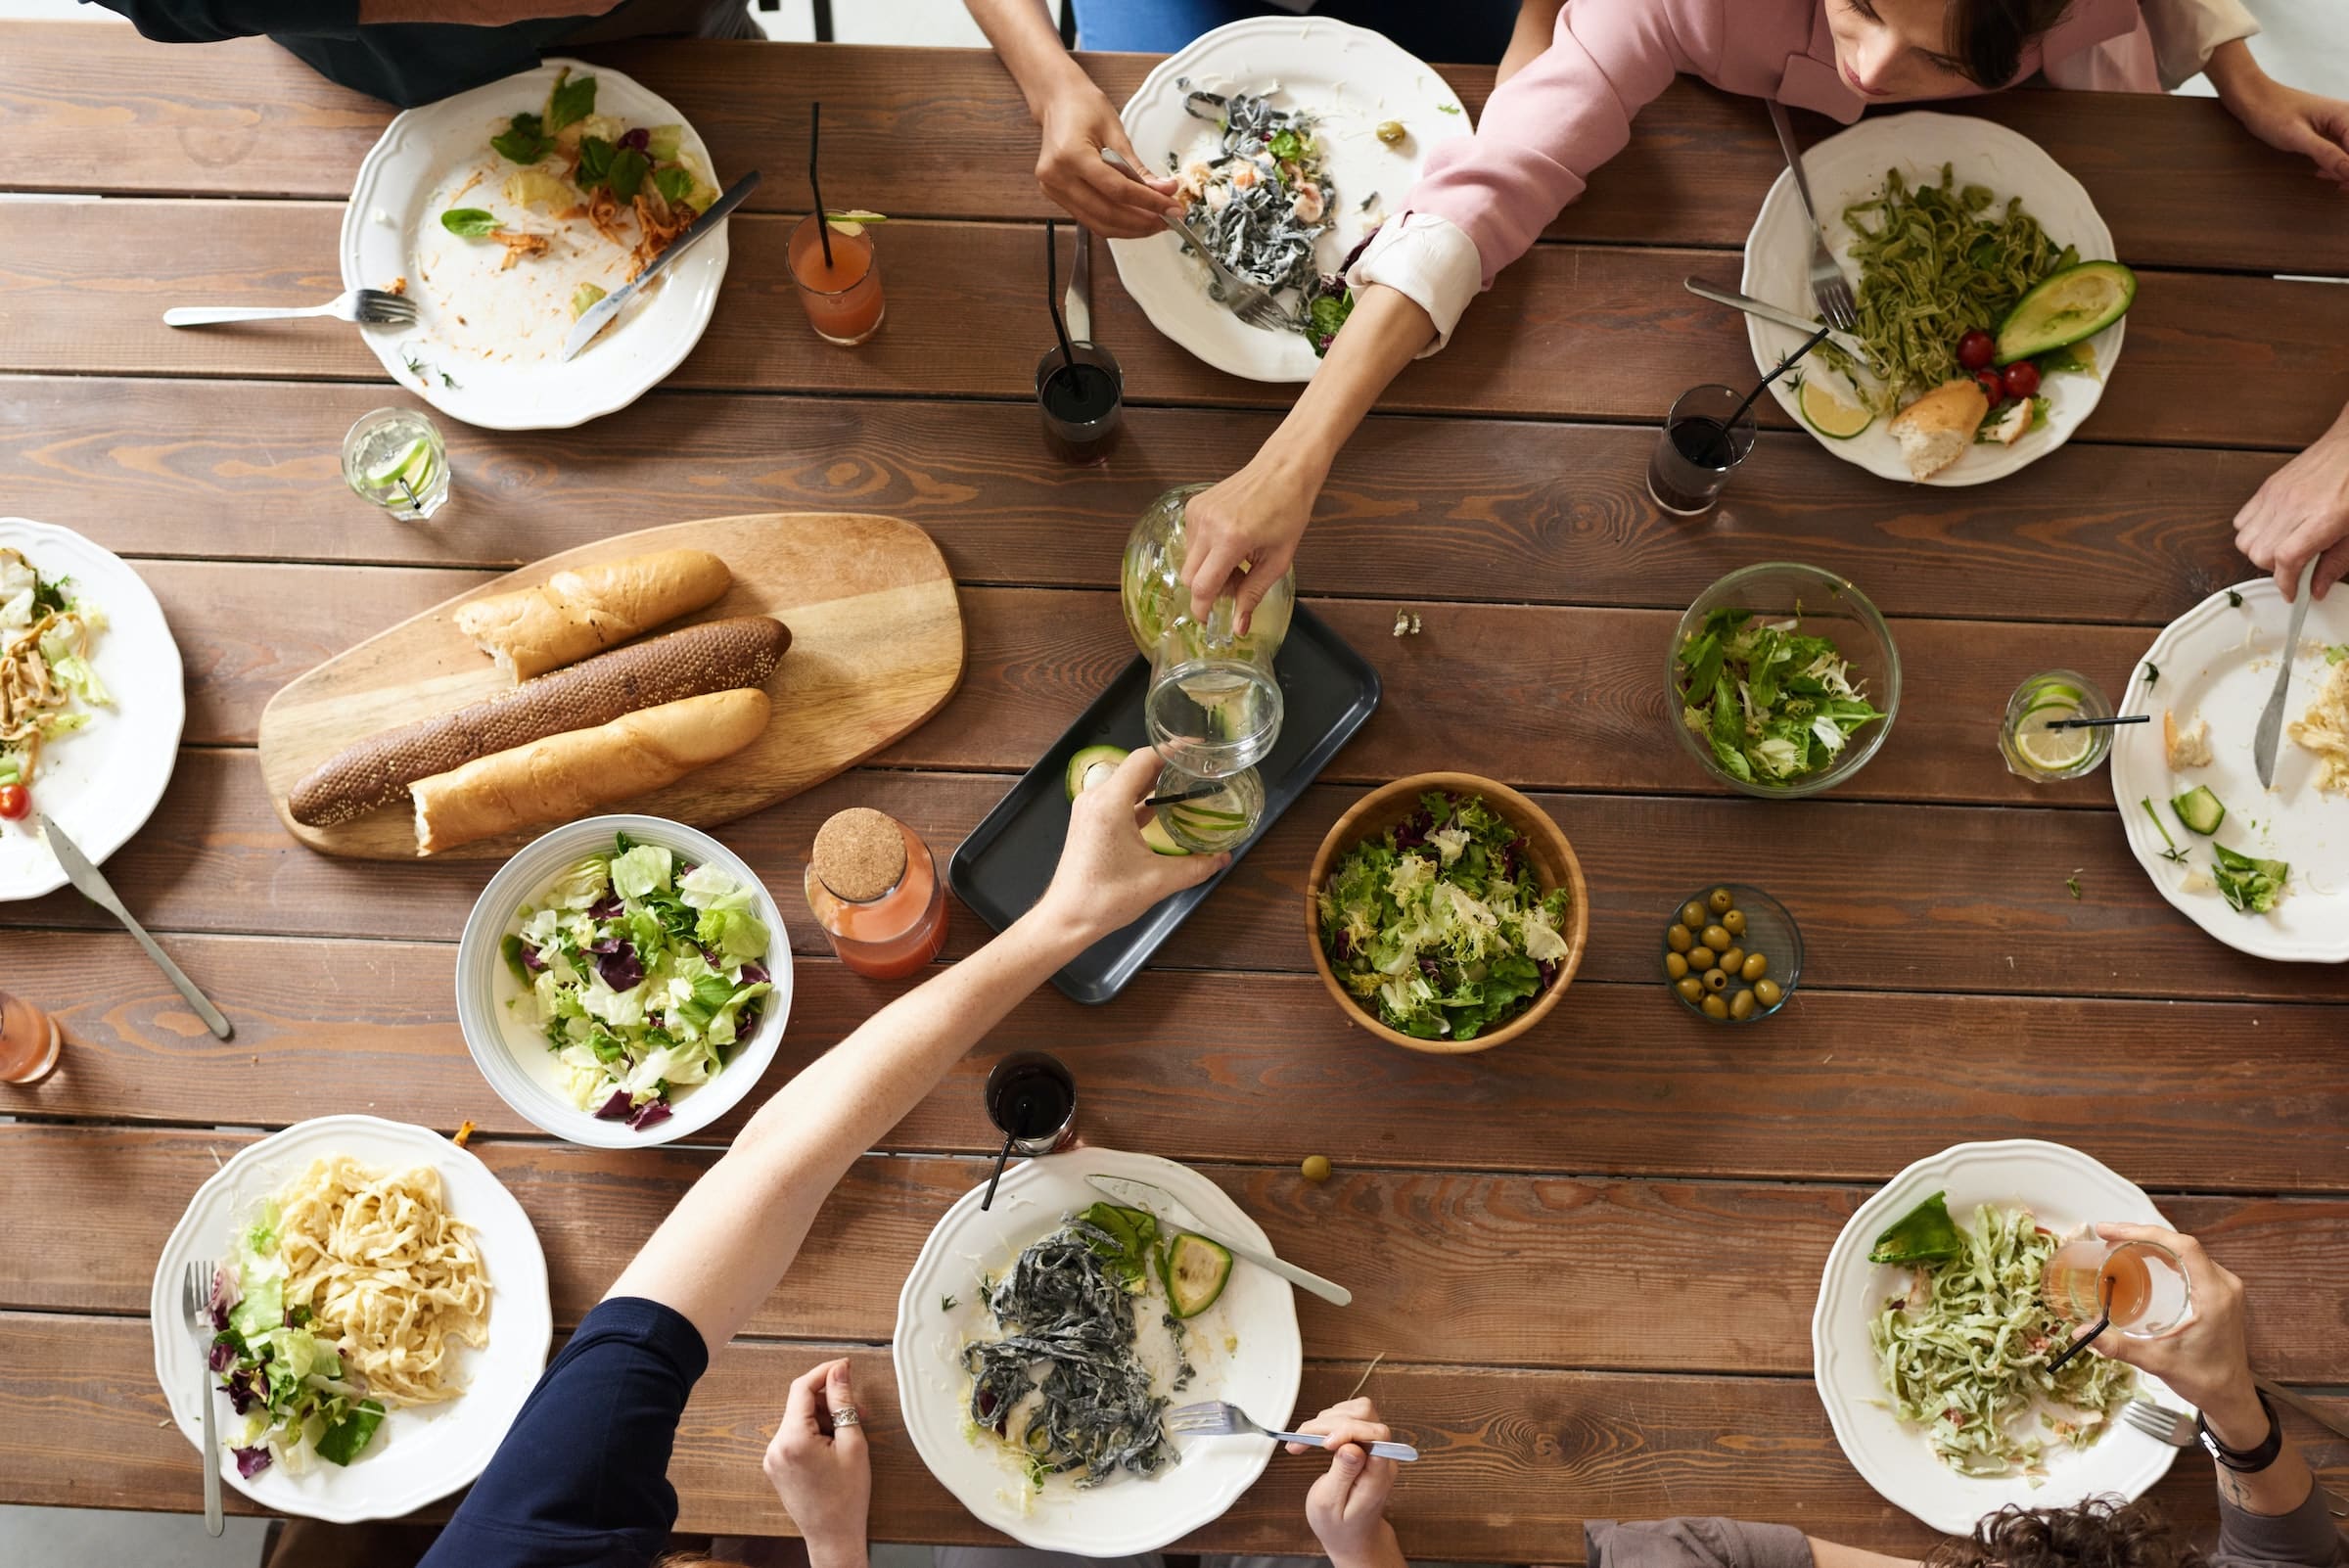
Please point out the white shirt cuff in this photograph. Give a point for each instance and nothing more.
(1431, 260)
(2187, 32)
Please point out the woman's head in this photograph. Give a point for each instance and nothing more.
(2101, 1533)
(1932, 48)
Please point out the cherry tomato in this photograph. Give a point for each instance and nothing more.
(2022, 379)
(15, 801)
(1976, 350)
(1991, 386)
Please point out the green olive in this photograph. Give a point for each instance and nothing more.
(1315, 1168)
(1674, 966)
(1741, 1006)
(1690, 987)
(1767, 993)
(1733, 921)
(1715, 939)
(1692, 916)
(1715, 1008)
(1702, 958)
(1718, 900)
(1733, 960)
(1754, 967)
(1716, 980)
(1390, 132)
(1678, 937)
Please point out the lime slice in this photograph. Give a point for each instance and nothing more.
(2052, 749)
(848, 226)
(412, 465)
(1829, 414)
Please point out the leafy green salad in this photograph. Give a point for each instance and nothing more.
(644, 974)
(288, 1385)
(1774, 704)
(1439, 926)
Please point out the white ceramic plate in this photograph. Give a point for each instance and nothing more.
(1130, 1514)
(2065, 1189)
(101, 783)
(418, 1455)
(504, 1039)
(2217, 660)
(502, 356)
(1354, 80)
(1849, 166)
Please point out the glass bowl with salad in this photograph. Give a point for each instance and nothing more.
(1782, 680)
(1446, 913)
(622, 980)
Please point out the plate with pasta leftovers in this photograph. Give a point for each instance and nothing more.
(91, 700)
(1933, 1373)
(506, 212)
(378, 1314)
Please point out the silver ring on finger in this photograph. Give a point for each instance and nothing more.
(846, 1415)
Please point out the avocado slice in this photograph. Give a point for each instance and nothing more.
(2066, 306)
(1195, 1270)
(1080, 775)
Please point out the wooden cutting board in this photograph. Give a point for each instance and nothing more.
(876, 648)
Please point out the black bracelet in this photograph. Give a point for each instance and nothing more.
(2245, 1460)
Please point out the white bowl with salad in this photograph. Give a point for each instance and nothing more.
(624, 980)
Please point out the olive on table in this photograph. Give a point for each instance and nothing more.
(1702, 958)
(1732, 962)
(1768, 992)
(1733, 921)
(1678, 937)
(1674, 966)
(1716, 980)
(1756, 965)
(1715, 1008)
(1690, 988)
(1692, 916)
(1715, 939)
(1315, 1168)
(1741, 1006)
(1718, 900)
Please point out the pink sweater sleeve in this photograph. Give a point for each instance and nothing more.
(1564, 115)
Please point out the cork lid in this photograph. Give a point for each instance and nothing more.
(859, 855)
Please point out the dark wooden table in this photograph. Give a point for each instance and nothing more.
(1589, 1260)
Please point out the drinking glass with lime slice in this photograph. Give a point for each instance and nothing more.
(2037, 750)
(393, 458)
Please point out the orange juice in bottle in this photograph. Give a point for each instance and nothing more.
(874, 889)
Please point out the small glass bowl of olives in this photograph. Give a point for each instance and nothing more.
(1731, 954)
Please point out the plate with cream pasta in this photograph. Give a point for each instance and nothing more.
(378, 1314)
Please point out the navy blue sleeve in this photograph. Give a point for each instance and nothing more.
(212, 21)
(583, 1475)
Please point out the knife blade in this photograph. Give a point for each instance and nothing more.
(2270, 735)
(1164, 1204)
(94, 888)
(1076, 304)
(1766, 311)
(599, 315)
(2277, 1391)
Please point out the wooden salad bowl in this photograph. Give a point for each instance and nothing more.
(1554, 861)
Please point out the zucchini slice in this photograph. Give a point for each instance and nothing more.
(2199, 810)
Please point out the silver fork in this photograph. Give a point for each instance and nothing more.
(196, 1299)
(1218, 1419)
(369, 308)
(1251, 302)
(1828, 286)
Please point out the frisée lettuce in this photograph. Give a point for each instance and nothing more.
(643, 975)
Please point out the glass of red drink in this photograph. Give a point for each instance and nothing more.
(2146, 1282)
(842, 293)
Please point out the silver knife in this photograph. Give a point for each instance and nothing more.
(599, 315)
(1767, 312)
(1076, 304)
(2271, 722)
(2330, 1423)
(1164, 1204)
(94, 887)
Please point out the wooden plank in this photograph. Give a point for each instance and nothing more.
(1262, 1068)
(942, 133)
(1572, 331)
(2090, 534)
(1417, 1248)
(1539, 697)
(1516, 1460)
(1960, 919)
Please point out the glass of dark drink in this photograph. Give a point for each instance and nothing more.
(1033, 1101)
(1083, 398)
(1704, 436)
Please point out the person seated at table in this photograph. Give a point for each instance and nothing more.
(580, 1477)
(1078, 120)
(2302, 510)
(2271, 1511)
(410, 52)
(1485, 198)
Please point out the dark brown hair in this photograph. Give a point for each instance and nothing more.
(1987, 37)
(2101, 1533)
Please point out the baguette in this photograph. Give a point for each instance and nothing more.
(375, 772)
(583, 610)
(1935, 431)
(568, 775)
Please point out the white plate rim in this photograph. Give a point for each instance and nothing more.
(1847, 1257)
(699, 274)
(1770, 343)
(125, 595)
(1213, 1207)
(517, 1282)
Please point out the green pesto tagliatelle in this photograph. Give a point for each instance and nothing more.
(1774, 702)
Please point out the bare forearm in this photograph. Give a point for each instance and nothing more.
(1536, 25)
(1385, 330)
(1029, 47)
(2238, 1420)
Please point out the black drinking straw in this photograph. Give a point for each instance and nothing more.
(823, 222)
(2081, 1344)
(987, 1202)
(1060, 330)
(1729, 427)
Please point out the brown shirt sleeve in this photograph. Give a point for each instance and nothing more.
(1699, 1542)
(2305, 1538)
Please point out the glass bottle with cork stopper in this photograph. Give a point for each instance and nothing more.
(873, 888)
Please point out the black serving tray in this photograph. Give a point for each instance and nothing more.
(1327, 691)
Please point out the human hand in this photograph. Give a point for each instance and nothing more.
(820, 1468)
(2207, 1358)
(1347, 1507)
(2302, 510)
(1107, 874)
(1239, 535)
(1077, 121)
(2295, 121)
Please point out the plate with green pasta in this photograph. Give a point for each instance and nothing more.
(1944, 224)
(1933, 1366)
